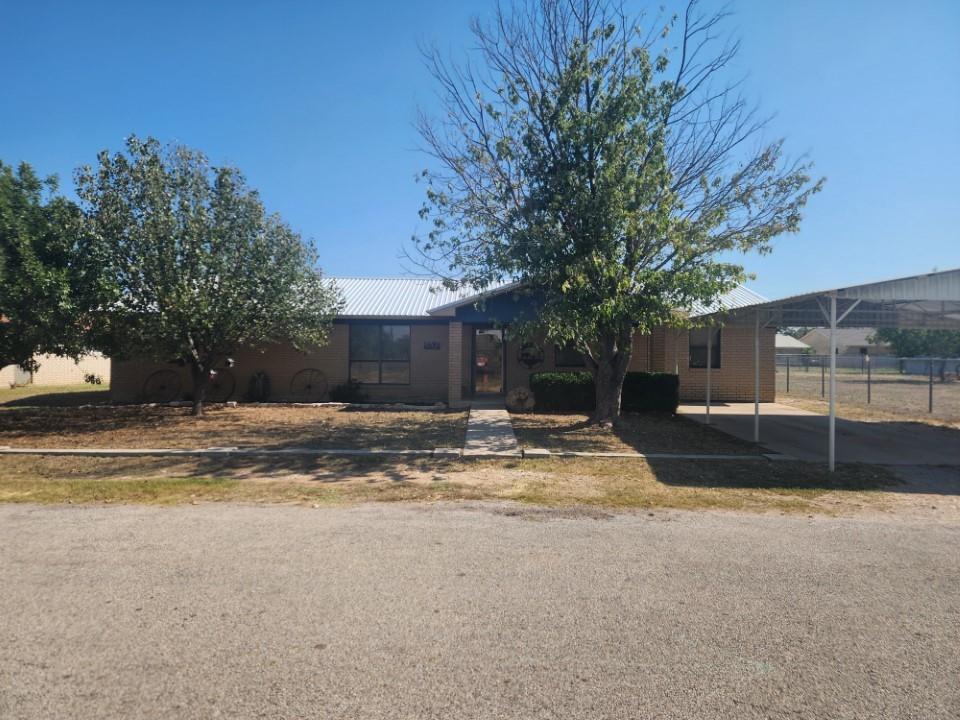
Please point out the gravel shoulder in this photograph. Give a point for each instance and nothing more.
(473, 610)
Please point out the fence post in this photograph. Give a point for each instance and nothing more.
(868, 379)
(788, 374)
(930, 399)
(823, 376)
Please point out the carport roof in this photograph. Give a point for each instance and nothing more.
(919, 301)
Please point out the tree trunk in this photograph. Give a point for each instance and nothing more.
(201, 377)
(608, 379)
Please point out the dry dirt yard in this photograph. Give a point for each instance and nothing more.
(611, 483)
(893, 396)
(646, 433)
(267, 426)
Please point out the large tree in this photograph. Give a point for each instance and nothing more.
(919, 342)
(42, 289)
(193, 266)
(606, 163)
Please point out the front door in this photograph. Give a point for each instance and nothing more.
(488, 362)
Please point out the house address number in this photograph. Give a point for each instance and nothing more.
(431, 345)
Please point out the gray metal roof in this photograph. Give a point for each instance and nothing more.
(931, 300)
(376, 297)
(739, 297)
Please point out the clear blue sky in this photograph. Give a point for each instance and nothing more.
(315, 102)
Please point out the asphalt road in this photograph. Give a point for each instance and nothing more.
(401, 611)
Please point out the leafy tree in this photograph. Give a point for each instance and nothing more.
(194, 268)
(42, 289)
(606, 167)
(920, 343)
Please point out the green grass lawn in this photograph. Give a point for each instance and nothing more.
(54, 395)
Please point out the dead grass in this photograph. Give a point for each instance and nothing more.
(893, 396)
(54, 395)
(572, 482)
(864, 413)
(263, 426)
(645, 433)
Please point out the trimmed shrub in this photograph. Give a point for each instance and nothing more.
(563, 391)
(650, 392)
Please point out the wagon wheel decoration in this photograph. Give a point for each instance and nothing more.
(530, 355)
(162, 386)
(221, 386)
(308, 385)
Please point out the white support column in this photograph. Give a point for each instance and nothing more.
(709, 365)
(832, 451)
(756, 378)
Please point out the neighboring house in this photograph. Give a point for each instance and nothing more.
(789, 345)
(55, 370)
(850, 341)
(409, 339)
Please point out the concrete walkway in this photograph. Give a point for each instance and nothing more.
(802, 434)
(489, 430)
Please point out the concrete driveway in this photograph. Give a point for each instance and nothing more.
(803, 435)
(473, 611)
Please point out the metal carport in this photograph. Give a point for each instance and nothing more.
(930, 301)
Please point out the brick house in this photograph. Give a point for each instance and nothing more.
(409, 339)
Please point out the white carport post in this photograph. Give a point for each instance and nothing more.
(832, 453)
(709, 365)
(756, 378)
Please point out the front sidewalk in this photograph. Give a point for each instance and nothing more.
(489, 430)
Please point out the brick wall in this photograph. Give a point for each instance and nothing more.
(429, 345)
(436, 374)
(660, 352)
(733, 381)
(456, 360)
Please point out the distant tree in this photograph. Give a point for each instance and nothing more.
(42, 289)
(920, 343)
(607, 167)
(193, 267)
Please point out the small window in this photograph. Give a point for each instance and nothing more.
(567, 356)
(698, 348)
(380, 354)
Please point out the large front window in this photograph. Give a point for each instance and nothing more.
(380, 354)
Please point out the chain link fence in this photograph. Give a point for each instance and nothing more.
(915, 388)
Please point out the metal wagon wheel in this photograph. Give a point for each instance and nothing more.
(162, 386)
(308, 385)
(221, 386)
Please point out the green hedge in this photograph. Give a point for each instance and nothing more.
(563, 391)
(650, 392)
(574, 391)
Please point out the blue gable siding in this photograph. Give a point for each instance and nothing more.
(500, 310)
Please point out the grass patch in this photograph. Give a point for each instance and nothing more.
(54, 395)
(601, 482)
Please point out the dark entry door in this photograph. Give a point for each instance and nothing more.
(488, 362)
